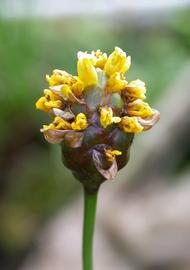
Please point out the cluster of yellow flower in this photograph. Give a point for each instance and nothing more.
(100, 87)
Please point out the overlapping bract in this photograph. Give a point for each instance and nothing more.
(96, 113)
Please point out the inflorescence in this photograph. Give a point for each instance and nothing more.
(96, 114)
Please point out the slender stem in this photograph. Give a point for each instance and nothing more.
(90, 201)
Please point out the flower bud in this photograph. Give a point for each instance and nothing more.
(86, 69)
(118, 61)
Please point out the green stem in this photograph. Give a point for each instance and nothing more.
(90, 201)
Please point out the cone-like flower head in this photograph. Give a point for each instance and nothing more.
(96, 115)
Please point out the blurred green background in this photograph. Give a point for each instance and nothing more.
(33, 182)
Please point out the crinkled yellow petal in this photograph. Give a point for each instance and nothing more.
(101, 59)
(58, 124)
(130, 125)
(139, 108)
(80, 122)
(118, 61)
(116, 83)
(58, 77)
(40, 104)
(49, 101)
(86, 69)
(106, 117)
(48, 127)
(136, 90)
(53, 104)
(77, 87)
(110, 154)
(52, 98)
(66, 91)
(50, 95)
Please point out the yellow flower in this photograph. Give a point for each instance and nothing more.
(66, 82)
(77, 86)
(100, 58)
(130, 125)
(58, 77)
(116, 82)
(106, 117)
(136, 90)
(40, 104)
(80, 122)
(139, 108)
(57, 124)
(48, 102)
(86, 69)
(110, 154)
(66, 91)
(118, 61)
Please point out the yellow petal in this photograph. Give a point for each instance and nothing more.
(106, 117)
(49, 95)
(58, 77)
(130, 125)
(118, 61)
(110, 154)
(101, 59)
(49, 101)
(48, 127)
(86, 69)
(60, 123)
(116, 83)
(80, 122)
(139, 108)
(66, 91)
(40, 104)
(77, 87)
(53, 104)
(136, 90)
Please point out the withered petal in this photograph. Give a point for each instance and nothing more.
(74, 139)
(108, 174)
(149, 122)
(67, 114)
(54, 136)
(135, 102)
(57, 89)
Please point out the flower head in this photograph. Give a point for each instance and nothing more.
(96, 115)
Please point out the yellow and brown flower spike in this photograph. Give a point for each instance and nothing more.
(96, 114)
